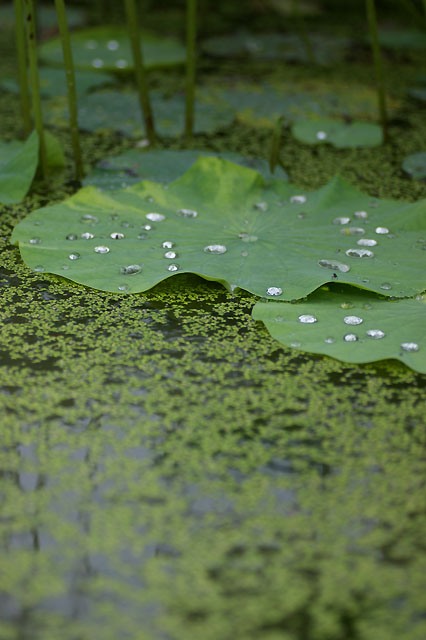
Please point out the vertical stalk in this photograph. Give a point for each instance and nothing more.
(275, 145)
(424, 6)
(135, 41)
(191, 32)
(72, 95)
(302, 31)
(378, 69)
(22, 65)
(35, 83)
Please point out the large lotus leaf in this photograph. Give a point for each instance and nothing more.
(339, 134)
(18, 164)
(352, 326)
(164, 166)
(108, 49)
(121, 111)
(53, 81)
(276, 46)
(415, 165)
(268, 239)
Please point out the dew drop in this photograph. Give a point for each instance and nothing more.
(330, 340)
(244, 254)
(131, 270)
(245, 237)
(116, 235)
(155, 217)
(353, 231)
(382, 230)
(274, 291)
(409, 346)
(261, 206)
(321, 135)
(187, 213)
(359, 253)
(74, 256)
(171, 255)
(295, 345)
(35, 241)
(341, 220)
(279, 319)
(113, 45)
(353, 320)
(361, 215)
(366, 242)
(142, 236)
(147, 227)
(72, 236)
(386, 286)
(123, 287)
(88, 219)
(87, 235)
(216, 249)
(173, 267)
(307, 319)
(334, 265)
(167, 244)
(298, 199)
(101, 249)
(65, 267)
(350, 337)
(39, 268)
(98, 63)
(121, 64)
(375, 333)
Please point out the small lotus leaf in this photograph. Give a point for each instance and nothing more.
(53, 81)
(415, 165)
(388, 329)
(108, 49)
(245, 234)
(339, 134)
(164, 166)
(18, 164)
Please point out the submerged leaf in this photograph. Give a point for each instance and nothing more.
(339, 134)
(415, 165)
(18, 164)
(352, 326)
(221, 221)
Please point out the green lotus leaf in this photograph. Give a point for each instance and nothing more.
(339, 134)
(47, 18)
(121, 111)
(164, 166)
(402, 39)
(415, 165)
(53, 82)
(108, 49)
(351, 325)
(18, 164)
(222, 222)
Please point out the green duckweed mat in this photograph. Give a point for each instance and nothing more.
(170, 472)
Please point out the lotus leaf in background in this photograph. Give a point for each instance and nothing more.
(108, 49)
(121, 112)
(222, 222)
(339, 134)
(350, 325)
(47, 18)
(164, 166)
(403, 39)
(53, 82)
(18, 164)
(415, 165)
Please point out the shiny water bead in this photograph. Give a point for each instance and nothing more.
(88, 219)
(260, 206)
(87, 235)
(167, 244)
(121, 63)
(350, 337)
(353, 231)
(112, 45)
(98, 63)
(359, 253)
(123, 287)
(361, 215)
(74, 256)
(321, 135)
(382, 230)
(173, 267)
(306, 318)
(147, 227)
(353, 320)
(341, 220)
(101, 249)
(386, 286)
(274, 291)
(409, 346)
(245, 237)
(131, 269)
(187, 213)
(116, 235)
(155, 217)
(72, 236)
(375, 333)
(295, 344)
(298, 199)
(171, 255)
(217, 249)
(35, 240)
(335, 265)
(330, 340)
(366, 242)
(39, 268)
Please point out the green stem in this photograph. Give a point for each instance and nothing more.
(135, 41)
(372, 23)
(274, 149)
(22, 65)
(191, 32)
(302, 32)
(35, 83)
(72, 95)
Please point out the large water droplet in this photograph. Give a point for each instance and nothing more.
(274, 291)
(261, 206)
(147, 227)
(87, 235)
(366, 242)
(350, 337)
(155, 217)
(307, 318)
(187, 213)
(88, 219)
(116, 235)
(382, 230)
(171, 255)
(353, 320)
(98, 63)
(131, 269)
(113, 45)
(173, 267)
(386, 286)
(101, 249)
(335, 265)
(298, 199)
(361, 215)
(353, 231)
(359, 253)
(217, 249)
(74, 256)
(168, 244)
(121, 63)
(72, 236)
(409, 346)
(35, 240)
(341, 220)
(375, 333)
(321, 135)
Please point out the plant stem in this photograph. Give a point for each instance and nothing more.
(302, 31)
(72, 95)
(372, 24)
(22, 65)
(35, 83)
(135, 41)
(274, 149)
(191, 32)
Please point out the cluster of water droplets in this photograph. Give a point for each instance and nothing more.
(111, 45)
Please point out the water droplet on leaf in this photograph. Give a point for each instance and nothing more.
(101, 249)
(298, 199)
(341, 220)
(187, 213)
(361, 215)
(274, 291)
(155, 217)
(168, 244)
(306, 318)
(353, 320)
(74, 256)
(72, 236)
(359, 253)
(350, 337)
(366, 242)
(88, 219)
(170, 255)
(335, 265)
(410, 347)
(260, 206)
(116, 235)
(35, 241)
(382, 230)
(87, 235)
(216, 249)
(173, 267)
(330, 340)
(386, 286)
(375, 333)
(131, 269)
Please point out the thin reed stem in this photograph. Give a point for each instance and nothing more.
(191, 33)
(22, 65)
(72, 94)
(140, 73)
(35, 83)
(378, 68)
